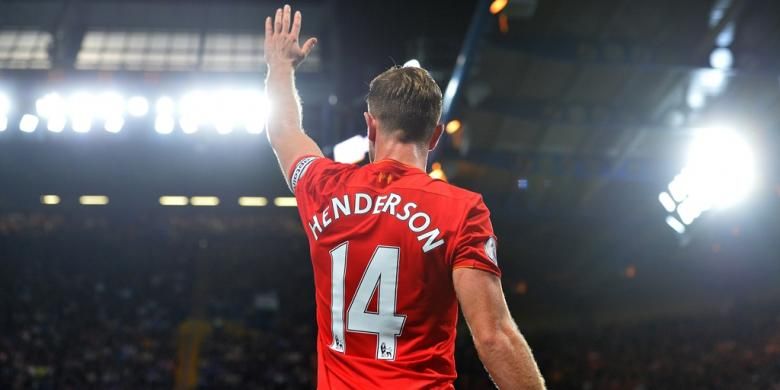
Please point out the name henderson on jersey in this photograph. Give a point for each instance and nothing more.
(361, 203)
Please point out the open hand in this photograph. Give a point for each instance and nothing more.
(281, 39)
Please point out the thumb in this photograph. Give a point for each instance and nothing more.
(308, 45)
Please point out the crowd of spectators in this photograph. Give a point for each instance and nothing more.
(97, 303)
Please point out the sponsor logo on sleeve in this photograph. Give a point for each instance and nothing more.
(490, 249)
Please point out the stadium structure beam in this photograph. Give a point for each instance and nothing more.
(463, 64)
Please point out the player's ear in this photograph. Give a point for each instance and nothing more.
(370, 126)
(436, 136)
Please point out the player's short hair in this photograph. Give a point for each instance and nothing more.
(406, 99)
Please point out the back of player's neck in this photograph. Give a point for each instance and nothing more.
(406, 154)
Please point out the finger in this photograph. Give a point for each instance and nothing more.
(308, 46)
(269, 27)
(296, 26)
(278, 21)
(286, 19)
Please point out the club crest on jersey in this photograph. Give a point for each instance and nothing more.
(490, 249)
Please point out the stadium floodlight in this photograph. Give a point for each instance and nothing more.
(193, 110)
(285, 201)
(169, 200)
(114, 124)
(695, 98)
(3, 122)
(675, 224)
(255, 111)
(721, 58)
(721, 166)
(54, 108)
(93, 200)
(50, 199)
(667, 201)
(56, 124)
(164, 124)
(227, 110)
(413, 63)
(5, 104)
(252, 201)
(204, 201)
(137, 106)
(188, 124)
(164, 105)
(28, 123)
(81, 106)
(712, 80)
(110, 104)
(351, 150)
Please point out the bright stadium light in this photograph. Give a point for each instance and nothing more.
(252, 201)
(189, 125)
(721, 58)
(53, 107)
(28, 123)
(93, 200)
(110, 104)
(164, 105)
(50, 199)
(111, 108)
(696, 98)
(720, 171)
(169, 200)
(227, 109)
(285, 201)
(137, 106)
(204, 201)
(3, 122)
(712, 79)
(5, 104)
(114, 124)
(413, 63)
(667, 201)
(351, 150)
(56, 124)
(81, 106)
(675, 224)
(721, 167)
(164, 124)
(255, 111)
(193, 110)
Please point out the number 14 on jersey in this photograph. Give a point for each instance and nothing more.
(381, 274)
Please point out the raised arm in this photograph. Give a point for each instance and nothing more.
(500, 346)
(283, 54)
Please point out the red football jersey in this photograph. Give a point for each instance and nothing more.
(384, 239)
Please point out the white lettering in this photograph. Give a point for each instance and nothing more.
(325, 220)
(380, 201)
(365, 197)
(407, 211)
(337, 205)
(429, 244)
(393, 201)
(314, 228)
(424, 226)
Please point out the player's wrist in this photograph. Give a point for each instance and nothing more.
(281, 66)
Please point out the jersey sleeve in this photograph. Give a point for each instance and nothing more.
(313, 178)
(475, 243)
